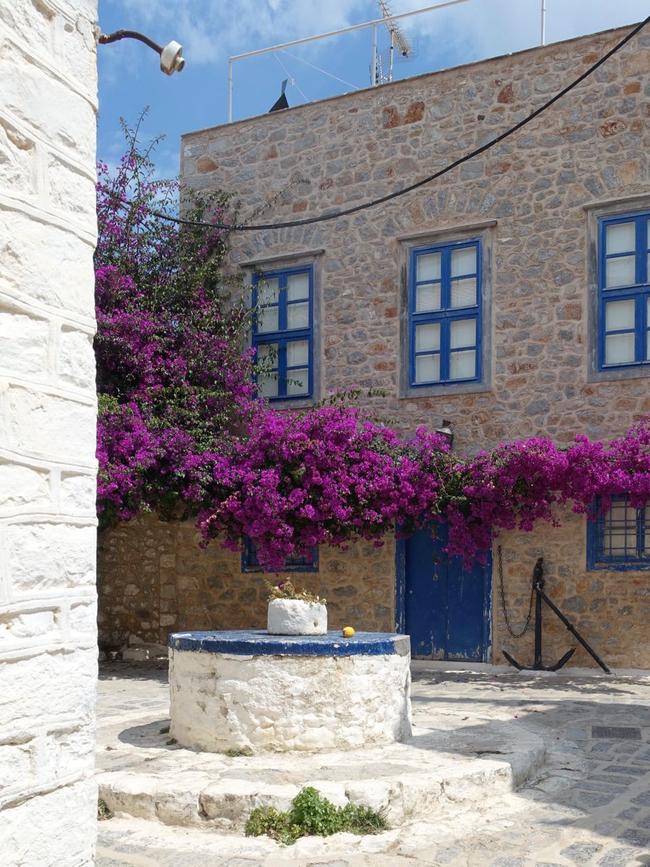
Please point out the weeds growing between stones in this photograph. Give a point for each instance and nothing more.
(312, 814)
(103, 810)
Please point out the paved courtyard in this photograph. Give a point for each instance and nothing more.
(582, 741)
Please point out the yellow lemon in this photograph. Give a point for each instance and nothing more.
(348, 631)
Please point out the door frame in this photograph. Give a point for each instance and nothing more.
(400, 599)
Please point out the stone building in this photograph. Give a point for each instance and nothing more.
(511, 297)
(48, 653)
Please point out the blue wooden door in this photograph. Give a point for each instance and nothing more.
(446, 606)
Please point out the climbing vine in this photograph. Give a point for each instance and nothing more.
(182, 431)
(174, 379)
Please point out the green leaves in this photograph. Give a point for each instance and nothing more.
(285, 590)
(312, 814)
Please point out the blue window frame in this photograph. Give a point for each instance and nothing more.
(619, 539)
(283, 332)
(624, 291)
(445, 314)
(250, 563)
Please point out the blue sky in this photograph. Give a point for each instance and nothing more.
(211, 30)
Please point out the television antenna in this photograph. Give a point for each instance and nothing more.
(388, 20)
(397, 40)
(318, 36)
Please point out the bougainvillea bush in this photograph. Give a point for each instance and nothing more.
(523, 482)
(183, 433)
(328, 475)
(331, 476)
(173, 378)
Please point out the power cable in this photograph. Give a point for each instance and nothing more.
(292, 80)
(354, 209)
(320, 69)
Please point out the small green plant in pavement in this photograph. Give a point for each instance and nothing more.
(239, 751)
(103, 810)
(312, 814)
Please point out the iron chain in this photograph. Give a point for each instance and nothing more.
(503, 602)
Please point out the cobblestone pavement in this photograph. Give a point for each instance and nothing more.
(589, 805)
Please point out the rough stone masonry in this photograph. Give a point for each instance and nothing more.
(534, 201)
(48, 654)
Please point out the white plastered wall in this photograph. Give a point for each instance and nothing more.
(48, 657)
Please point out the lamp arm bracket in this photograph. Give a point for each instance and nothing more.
(106, 38)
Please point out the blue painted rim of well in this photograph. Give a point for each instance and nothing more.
(257, 642)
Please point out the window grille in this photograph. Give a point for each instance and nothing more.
(306, 563)
(619, 538)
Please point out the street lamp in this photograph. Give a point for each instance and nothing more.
(171, 55)
(447, 432)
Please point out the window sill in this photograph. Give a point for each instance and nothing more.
(619, 567)
(291, 402)
(615, 374)
(415, 391)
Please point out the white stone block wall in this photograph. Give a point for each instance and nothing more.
(222, 701)
(48, 657)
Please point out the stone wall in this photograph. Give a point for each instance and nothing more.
(610, 609)
(535, 200)
(154, 579)
(48, 656)
(531, 196)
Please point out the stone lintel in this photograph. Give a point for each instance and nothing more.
(637, 200)
(283, 257)
(435, 231)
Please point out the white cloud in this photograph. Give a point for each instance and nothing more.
(210, 30)
(484, 28)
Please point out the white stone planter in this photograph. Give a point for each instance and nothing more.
(296, 617)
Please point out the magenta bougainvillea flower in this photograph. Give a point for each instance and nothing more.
(331, 476)
(174, 379)
(328, 475)
(182, 431)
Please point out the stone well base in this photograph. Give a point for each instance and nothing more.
(437, 772)
(252, 691)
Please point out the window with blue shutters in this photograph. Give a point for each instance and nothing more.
(619, 539)
(307, 563)
(283, 332)
(445, 314)
(624, 291)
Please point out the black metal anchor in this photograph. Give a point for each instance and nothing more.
(540, 596)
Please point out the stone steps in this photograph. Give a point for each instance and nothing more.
(432, 773)
(138, 843)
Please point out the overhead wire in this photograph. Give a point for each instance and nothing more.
(363, 206)
(291, 78)
(320, 69)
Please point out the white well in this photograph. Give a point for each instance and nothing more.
(252, 691)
